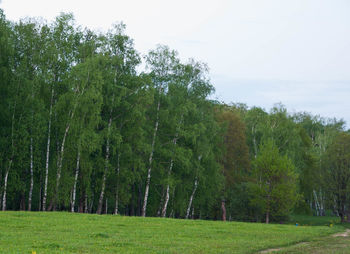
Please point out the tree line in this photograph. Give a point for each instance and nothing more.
(83, 130)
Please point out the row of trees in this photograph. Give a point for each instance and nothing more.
(83, 130)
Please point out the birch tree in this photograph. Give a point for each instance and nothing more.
(162, 62)
(337, 164)
(120, 87)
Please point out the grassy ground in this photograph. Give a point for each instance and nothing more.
(324, 245)
(335, 243)
(24, 232)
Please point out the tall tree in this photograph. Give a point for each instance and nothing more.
(235, 155)
(337, 165)
(162, 63)
(275, 190)
(7, 95)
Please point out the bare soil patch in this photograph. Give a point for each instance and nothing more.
(343, 234)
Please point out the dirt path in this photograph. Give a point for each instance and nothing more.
(344, 234)
(336, 243)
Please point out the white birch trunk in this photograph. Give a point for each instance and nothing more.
(31, 176)
(1, 193)
(5, 188)
(171, 215)
(30, 194)
(166, 201)
(167, 195)
(47, 154)
(317, 204)
(100, 202)
(11, 159)
(60, 161)
(144, 206)
(191, 198)
(75, 182)
(116, 203)
(161, 203)
(322, 205)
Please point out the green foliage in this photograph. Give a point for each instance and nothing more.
(275, 191)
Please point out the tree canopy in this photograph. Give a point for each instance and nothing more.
(89, 125)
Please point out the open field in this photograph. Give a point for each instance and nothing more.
(58, 232)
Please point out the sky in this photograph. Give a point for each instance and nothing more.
(259, 52)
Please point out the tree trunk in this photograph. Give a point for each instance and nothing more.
(169, 173)
(47, 154)
(100, 202)
(166, 201)
(144, 206)
(60, 161)
(223, 210)
(22, 203)
(40, 192)
(81, 203)
(5, 187)
(159, 211)
(11, 158)
(30, 194)
(171, 215)
(191, 198)
(139, 200)
(116, 203)
(322, 206)
(117, 188)
(268, 210)
(267, 217)
(91, 204)
(317, 204)
(167, 194)
(60, 157)
(31, 176)
(75, 181)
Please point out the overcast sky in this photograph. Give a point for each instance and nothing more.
(259, 51)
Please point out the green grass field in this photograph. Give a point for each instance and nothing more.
(58, 232)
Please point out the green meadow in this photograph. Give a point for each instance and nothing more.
(59, 232)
